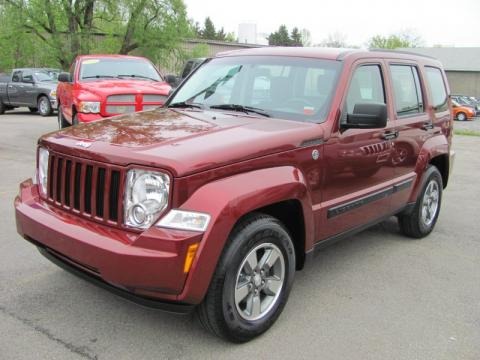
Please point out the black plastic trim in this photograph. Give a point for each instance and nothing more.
(167, 306)
(354, 204)
(335, 238)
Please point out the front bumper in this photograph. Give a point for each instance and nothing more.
(147, 266)
(54, 104)
(85, 118)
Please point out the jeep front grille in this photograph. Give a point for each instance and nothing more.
(87, 188)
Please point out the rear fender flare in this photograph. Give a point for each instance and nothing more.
(433, 147)
(229, 199)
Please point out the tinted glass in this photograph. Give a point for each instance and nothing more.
(366, 86)
(139, 69)
(282, 87)
(437, 88)
(43, 76)
(406, 89)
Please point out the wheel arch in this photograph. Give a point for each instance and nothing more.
(228, 201)
(434, 152)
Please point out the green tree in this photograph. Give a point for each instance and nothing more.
(209, 32)
(67, 28)
(405, 39)
(296, 37)
(280, 37)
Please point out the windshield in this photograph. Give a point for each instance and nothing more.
(289, 88)
(43, 76)
(139, 69)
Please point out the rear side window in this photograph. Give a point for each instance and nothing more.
(438, 92)
(366, 87)
(406, 89)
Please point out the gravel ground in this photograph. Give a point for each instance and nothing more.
(376, 295)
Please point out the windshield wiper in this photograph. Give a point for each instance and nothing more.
(240, 108)
(98, 77)
(183, 104)
(137, 76)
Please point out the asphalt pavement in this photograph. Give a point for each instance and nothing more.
(376, 295)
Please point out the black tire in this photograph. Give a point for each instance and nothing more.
(461, 116)
(414, 224)
(219, 312)
(2, 108)
(33, 110)
(44, 106)
(62, 123)
(75, 119)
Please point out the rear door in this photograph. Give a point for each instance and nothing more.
(414, 125)
(358, 173)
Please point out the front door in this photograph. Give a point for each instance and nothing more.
(358, 173)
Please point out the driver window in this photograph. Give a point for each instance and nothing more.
(27, 76)
(16, 76)
(366, 86)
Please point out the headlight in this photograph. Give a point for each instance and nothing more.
(53, 94)
(146, 196)
(185, 220)
(89, 107)
(42, 169)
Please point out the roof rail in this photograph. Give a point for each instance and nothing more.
(403, 52)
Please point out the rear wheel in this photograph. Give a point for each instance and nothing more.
(461, 116)
(44, 106)
(422, 219)
(2, 107)
(252, 281)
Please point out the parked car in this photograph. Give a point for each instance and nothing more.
(100, 86)
(462, 112)
(215, 200)
(29, 87)
(465, 101)
(188, 68)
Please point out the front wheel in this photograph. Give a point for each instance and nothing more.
(44, 106)
(422, 219)
(461, 116)
(62, 123)
(252, 281)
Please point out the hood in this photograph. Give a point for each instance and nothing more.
(50, 85)
(181, 141)
(125, 86)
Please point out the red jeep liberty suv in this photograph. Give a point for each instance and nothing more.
(259, 158)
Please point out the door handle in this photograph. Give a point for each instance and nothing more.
(427, 126)
(390, 135)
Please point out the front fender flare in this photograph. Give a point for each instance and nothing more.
(227, 200)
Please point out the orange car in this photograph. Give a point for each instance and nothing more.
(461, 112)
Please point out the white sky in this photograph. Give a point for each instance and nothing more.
(450, 23)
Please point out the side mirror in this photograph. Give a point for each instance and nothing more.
(172, 80)
(64, 77)
(367, 116)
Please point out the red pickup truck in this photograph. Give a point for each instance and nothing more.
(100, 86)
(258, 159)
